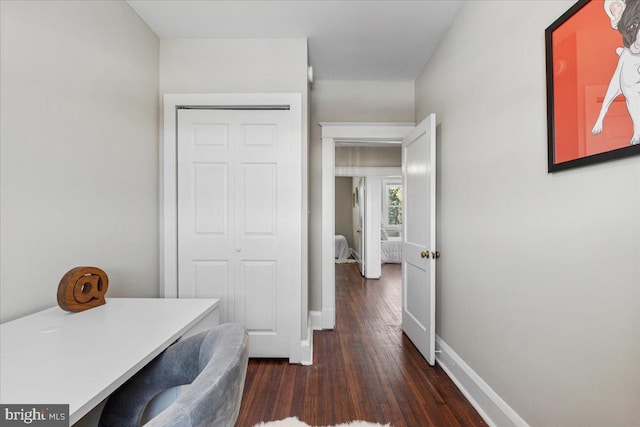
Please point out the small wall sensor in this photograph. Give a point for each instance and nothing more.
(310, 73)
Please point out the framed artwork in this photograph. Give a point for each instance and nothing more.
(593, 83)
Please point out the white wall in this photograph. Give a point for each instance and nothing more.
(345, 101)
(368, 156)
(79, 99)
(233, 66)
(539, 281)
(343, 206)
(243, 66)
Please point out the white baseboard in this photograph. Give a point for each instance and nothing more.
(354, 254)
(322, 320)
(306, 346)
(489, 405)
(316, 320)
(328, 318)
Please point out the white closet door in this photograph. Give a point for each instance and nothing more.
(239, 197)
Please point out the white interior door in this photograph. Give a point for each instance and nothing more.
(239, 198)
(362, 225)
(419, 237)
(371, 230)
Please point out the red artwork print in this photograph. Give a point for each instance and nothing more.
(586, 52)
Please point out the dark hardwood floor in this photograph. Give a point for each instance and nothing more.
(365, 369)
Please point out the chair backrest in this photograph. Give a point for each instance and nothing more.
(213, 362)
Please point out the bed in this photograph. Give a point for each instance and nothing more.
(391, 251)
(342, 247)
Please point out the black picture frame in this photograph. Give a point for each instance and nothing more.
(552, 144)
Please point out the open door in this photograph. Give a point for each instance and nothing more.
(419, 237)
(361, 227)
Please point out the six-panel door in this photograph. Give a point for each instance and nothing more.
(238, 209)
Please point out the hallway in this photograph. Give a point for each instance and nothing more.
(364, 369)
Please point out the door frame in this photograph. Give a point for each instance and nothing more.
(168, 192)
(357, 134)
(374, 178)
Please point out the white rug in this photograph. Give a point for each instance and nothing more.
(295, 422)
(345, 261)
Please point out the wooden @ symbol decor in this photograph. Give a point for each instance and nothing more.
(82, 288)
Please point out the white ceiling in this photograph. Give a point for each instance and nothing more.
(348, 39)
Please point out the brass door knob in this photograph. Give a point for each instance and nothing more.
(424, 254)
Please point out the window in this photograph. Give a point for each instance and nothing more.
(392, 205)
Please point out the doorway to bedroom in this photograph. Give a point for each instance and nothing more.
(368, 215)
(418, 160)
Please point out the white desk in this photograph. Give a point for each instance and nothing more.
(80, 358)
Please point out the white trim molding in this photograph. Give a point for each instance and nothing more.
(372, 214)
(306, 346)
(368, 170)
(490, 406)
(316, 320)
(365, 133)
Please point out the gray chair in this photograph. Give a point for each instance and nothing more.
(213, 362)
